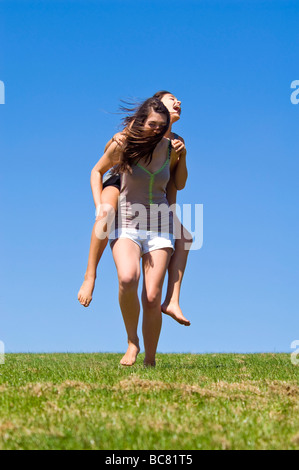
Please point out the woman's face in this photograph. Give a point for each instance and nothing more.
(173, 105)
(155, 122)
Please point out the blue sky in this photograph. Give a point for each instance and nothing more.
(66, 65)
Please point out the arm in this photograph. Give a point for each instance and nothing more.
(108, 145)
(171, 191)
(180, 173)
(110, 158)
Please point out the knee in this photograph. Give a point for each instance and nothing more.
(151, 299)
(105, 217)
(128, 281)
(106, 213)
(187, 237)
(184, 242)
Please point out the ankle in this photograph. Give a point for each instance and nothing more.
(149, 359)
(171, 301)
(134, 342)
(149, 363)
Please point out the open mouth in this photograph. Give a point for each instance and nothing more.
(177, 109)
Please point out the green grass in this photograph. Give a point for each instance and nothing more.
(209, 401)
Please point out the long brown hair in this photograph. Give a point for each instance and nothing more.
(138, 144)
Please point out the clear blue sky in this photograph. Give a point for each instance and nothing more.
(66, 65)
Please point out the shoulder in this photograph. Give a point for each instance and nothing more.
(165, 143)
(113, 147)
(114, 152)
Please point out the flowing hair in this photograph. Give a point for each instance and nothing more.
(138, 144)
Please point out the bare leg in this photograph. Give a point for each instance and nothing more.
(155, 265)
(126, 255)
(97, 246)
(176, 271)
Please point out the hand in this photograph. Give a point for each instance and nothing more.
(178, 146)
(119, 138)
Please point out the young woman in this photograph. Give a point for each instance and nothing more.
(110, 195)
(144, 163)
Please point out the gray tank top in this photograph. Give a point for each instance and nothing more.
(142, 203)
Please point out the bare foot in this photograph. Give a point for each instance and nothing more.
(174, 311)
(86, 290)
(130, 357)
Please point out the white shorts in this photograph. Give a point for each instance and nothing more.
(146, 240)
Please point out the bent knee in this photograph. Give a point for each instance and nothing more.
(106, 212)
(185, 240)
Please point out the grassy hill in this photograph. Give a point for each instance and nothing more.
(189, 401)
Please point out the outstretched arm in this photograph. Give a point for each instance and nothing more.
(110, 158)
